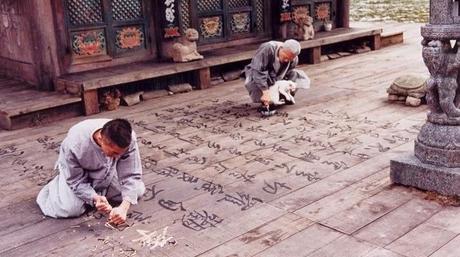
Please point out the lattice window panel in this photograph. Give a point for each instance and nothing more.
(85, 12)
(260, 16)
(238, 3)
(184, 14)
(126, 10)
(209, 5)
(241, 23)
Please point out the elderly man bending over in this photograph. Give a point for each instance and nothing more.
(272, 62)
(98, 161)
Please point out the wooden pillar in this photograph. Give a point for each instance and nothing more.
(314, 55)
(90, 102)
(44, 39)
(202, 78)
(344, 13)
(375, 42)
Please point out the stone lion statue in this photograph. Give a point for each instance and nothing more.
(185, 49)
(443, 62)
(304, 29)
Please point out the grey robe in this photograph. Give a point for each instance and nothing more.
(85, 171)
(265, 69)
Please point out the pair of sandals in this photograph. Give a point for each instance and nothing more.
(267, 110)
(270, 110)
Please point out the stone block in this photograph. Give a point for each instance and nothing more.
(154, 94)
(132, 99)
(410, 171)
(180, 88)
(231, 75)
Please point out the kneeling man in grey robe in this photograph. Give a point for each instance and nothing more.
(274, 61)
(98, 161)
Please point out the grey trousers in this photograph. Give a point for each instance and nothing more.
(57, 200)
(254, 91)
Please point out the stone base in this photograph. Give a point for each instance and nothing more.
(440, 31)
(439, 145)
(410, 171)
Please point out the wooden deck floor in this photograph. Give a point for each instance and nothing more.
(222, 181)
(21, 105)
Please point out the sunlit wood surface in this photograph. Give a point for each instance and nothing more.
(223, 181)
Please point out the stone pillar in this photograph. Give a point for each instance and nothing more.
(435, 165)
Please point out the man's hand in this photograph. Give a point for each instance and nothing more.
(118, 214)
(101, 203)
(265, 99)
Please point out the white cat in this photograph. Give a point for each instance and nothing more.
(284, 87)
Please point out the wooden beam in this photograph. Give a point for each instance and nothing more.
(95, 79)
(314, 55)
(44, 39)
(5, 121)
(375, 42)
(90, 102)
(344, 14)
(391, 39)
(202, 78)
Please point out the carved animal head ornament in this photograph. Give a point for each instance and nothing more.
(308, 21)
(191, 34)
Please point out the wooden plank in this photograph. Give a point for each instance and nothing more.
(347, 246)
(339, 181)
(202, 78)
(389, 39)
(381, 252)
(368, 210)
(9, 83)
(424, 240)
(448, 250)
(15, 88)
(375, 42)
(344, 199)
(18, 216)
(5, 121)
(398, 222)
(314, 55)
(446, 219)
(90, 102)
(26, 104)
(339, 35)
(313, 238)
(44, 116)
(261, 238)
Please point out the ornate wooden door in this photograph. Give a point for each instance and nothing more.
(106, 29)
(223, 20)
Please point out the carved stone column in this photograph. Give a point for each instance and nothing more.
(436, 163)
